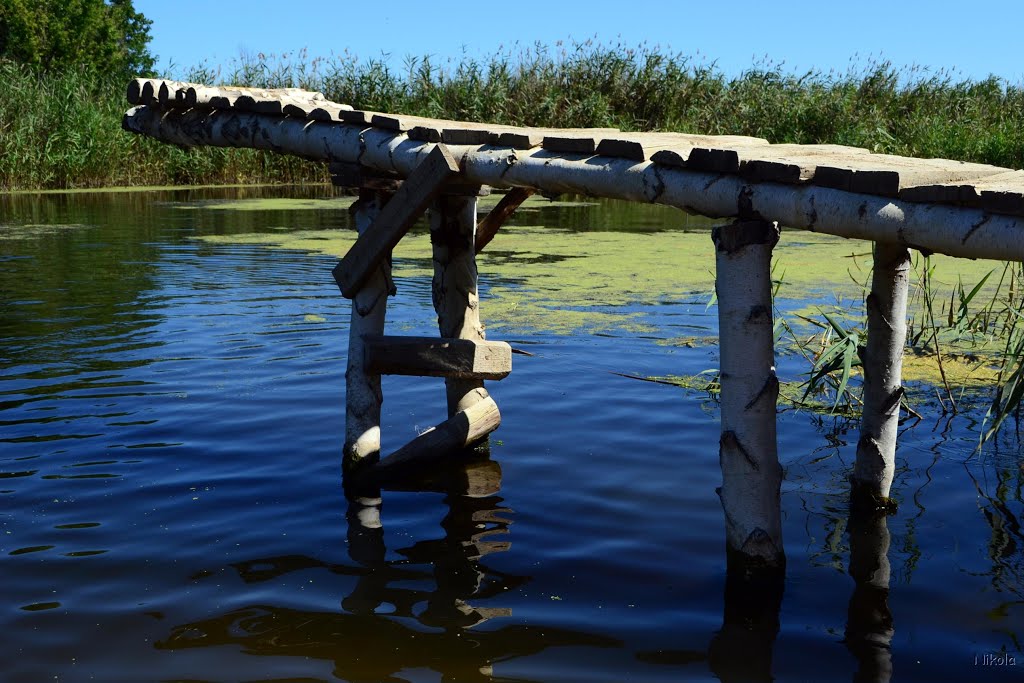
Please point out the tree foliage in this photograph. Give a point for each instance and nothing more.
(109, 37)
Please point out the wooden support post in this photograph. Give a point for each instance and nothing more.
(362, 389)
(453, 235)
(373, 246)
(748, 453)
(883, 366)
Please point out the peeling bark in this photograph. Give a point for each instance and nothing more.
(883, 365)
(751, 474)
(363, 395)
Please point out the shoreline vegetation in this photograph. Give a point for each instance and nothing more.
(61, 129)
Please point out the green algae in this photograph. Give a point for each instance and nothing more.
(561, 281)
(35, 230)
(270, 204)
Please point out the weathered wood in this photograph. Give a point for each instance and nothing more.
(363, 395)
(255, 100)
(882, 364)
(135, 87)
(395, 220)
(150, 89)
(172, 93)
(713, 153)
(1003, 193)
(748, 453)
(672, 149)
(918, 180)
(454, 286)
(327, 111)
(946, 229)
(492, 222)
(431, 357)
(569, 144)
(458, 432)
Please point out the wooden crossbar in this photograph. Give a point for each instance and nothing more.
(395, 219)
(433, 357)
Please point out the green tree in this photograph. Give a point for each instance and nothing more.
(109, 37)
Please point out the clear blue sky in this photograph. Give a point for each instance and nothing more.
(973, 38)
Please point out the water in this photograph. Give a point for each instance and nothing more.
(171, 509)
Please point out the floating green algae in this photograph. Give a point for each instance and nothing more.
(562, 281)
(270, 204)
(34, 231)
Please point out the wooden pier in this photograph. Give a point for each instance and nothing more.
(404, 166)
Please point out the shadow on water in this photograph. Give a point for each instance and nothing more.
(385, 625)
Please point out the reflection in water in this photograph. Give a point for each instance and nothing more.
(394, 619)
(742, 648)
(869, 624)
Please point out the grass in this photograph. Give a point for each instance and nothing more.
(62, 130)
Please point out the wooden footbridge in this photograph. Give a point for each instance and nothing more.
(405, 165)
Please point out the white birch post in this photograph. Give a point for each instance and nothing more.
(363, 395)
(748, 453)
(883, 365)
(456, 300)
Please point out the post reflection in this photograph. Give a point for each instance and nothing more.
(414, 612)
(869, 623)
(742, 648)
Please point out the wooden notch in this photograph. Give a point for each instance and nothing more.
(433, 357)
(395, 219)
(344, 174)
(458, 432)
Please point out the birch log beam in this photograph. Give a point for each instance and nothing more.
(952, 230)
(748, 453)
(363, 395)
(882, 364)
(456, 300)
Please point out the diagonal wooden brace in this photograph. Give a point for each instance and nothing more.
(394, 221)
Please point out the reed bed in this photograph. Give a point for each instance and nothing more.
(62, 129)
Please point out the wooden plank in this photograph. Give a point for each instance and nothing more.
(569, 144)
(488, 227)
(918, 180)
(1003, 193)
(791, 164)
(450, 437)
(395, 220)
(327, 111)
(711, 153)
(433, 357)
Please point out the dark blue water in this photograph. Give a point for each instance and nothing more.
(171, 508)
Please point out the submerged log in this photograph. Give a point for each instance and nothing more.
(455, 434)
(748, 453)
(363, 395)
(883, 365)
(957, 231)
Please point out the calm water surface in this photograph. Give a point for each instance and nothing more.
(171, 508)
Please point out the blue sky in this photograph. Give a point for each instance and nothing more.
(973, 39)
